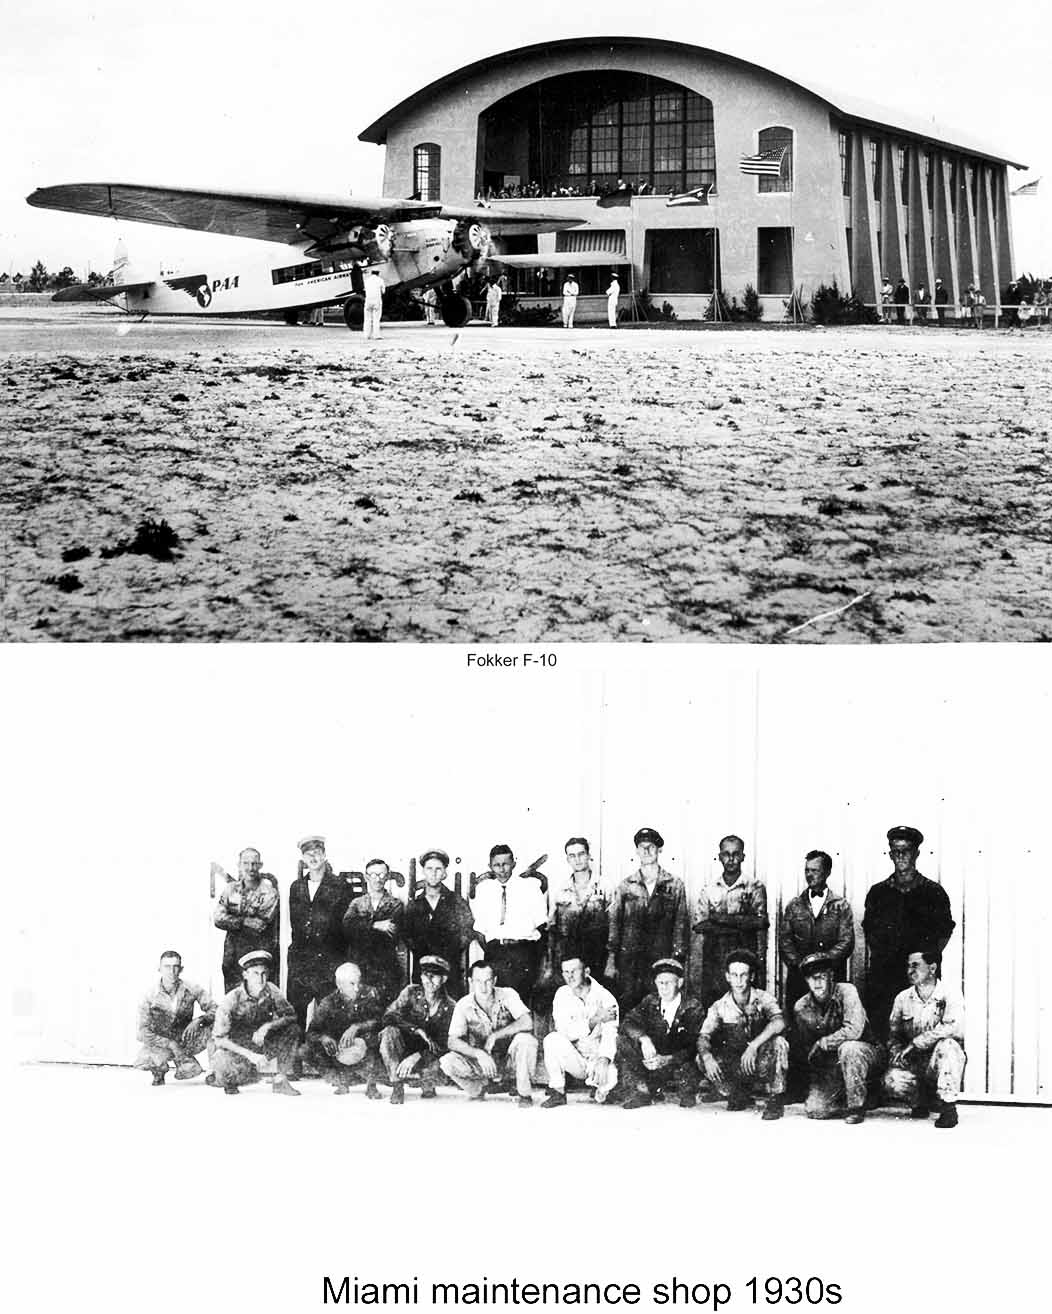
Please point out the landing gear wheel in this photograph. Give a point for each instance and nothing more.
(354, 313)
(456, 311)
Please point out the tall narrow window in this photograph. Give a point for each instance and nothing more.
(427, 172)
(845, 163)
(874, 165)
(777, 139)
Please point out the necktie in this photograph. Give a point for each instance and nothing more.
(503, 903)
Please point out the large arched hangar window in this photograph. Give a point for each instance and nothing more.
(427, 172)
(772, 142)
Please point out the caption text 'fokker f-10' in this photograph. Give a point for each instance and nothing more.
(328, 240)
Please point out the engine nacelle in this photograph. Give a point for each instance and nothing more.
(369, 245)
(471, 239)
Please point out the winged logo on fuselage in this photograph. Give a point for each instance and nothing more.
(194, 285)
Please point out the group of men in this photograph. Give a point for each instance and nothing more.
(571, 290)
(642, 1009)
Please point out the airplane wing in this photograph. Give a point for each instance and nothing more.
(289, 219)
(81, 292)
(561, 259)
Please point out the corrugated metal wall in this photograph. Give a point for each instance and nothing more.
(796, 753)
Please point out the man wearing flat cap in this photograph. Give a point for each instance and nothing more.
(658, 1040)
(438, 921)
(318, 900)
(904, 913)
(344, 1034)
(415, 1031)
(247, 910)
(731, 914)
(511, 918)
(648, 921)
(741, 1045)
(833, 1034)
(255, 1036)
(168, 1031)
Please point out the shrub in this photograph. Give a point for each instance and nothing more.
(533, 316)
(830, 306)
(646, 310)
(752, 310)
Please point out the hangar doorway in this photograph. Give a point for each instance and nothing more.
(682, 260)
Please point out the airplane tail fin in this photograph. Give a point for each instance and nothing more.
(121, 271)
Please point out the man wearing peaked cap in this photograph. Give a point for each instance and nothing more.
(416, 1030)
(318, 900)
(658, 1039)
(903, 913)
(834, 1038)
(648, 921)
(255, 1033)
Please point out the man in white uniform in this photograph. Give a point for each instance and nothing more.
(584, 1040)
(571, 290)
(374, 304)
(613, 294)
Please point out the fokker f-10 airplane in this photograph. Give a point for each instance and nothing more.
(327, 241)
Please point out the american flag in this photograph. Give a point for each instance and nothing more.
(768, 164)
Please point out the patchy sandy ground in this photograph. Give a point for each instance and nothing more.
(524, 485)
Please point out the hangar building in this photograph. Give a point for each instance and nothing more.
(615, 127)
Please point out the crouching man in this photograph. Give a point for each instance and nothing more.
(658, 1040)
(741, 1046)
(256, 1034)
(490, 1035)
(584, 1041)
(834, 1037)
(926, 1042)
(168, 1031)
(343, 1036)
(415, 1031)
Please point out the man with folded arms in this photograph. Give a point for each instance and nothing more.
(415, 1031)
(490, 1034)
(657, 1042)
(168, 1031)
(372, 926)
(255, 1034)
(583, 1043)
(835, 1037)
(247, 909)
(926, 1042)
(438, 921)
(343, 1037)
(741, 1046)
(648, 920)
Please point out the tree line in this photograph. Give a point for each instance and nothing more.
(40, 280)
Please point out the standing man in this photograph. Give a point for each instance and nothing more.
(317, 902)
(903, 913)
(415, 1031)
(510, 913)
(658, 1041)
(834, 1035)
(490, 1036)
(168, 1031)
(648, 921)
(247, 909)
(583, 1041)
(901, 297)
(731, 914)
(372, 926)
(374, 304)
(927, 1042)
(343, 1039)
(613, 296)
(741, 1046)
(941, 297)
(493, 296)
(438, 921)
(922, 300)
(816, 921)
(571, 291)
(255, 1033)
(580, 917)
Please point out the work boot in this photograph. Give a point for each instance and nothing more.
(854, 1116)
(947, 1116)
(371, 1093)
(738, 1103)
(687, 1099)
(231, 1090)
(282, 1086)
(919, 1111)
(158, 1077)
(774, 1109)
(639, 1099)
(429, 1093)
(555, 1099)
(525, 1102)
(397, 1093)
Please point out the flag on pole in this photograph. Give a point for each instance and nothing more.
(699, 196)
(768, 164)
(1027, 189)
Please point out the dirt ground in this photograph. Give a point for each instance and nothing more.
(523, 485)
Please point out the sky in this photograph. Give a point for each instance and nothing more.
(228, 93)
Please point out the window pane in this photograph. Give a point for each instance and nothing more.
(777, 139)
(668, 108)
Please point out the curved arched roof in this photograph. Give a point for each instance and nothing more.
(851, 108)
